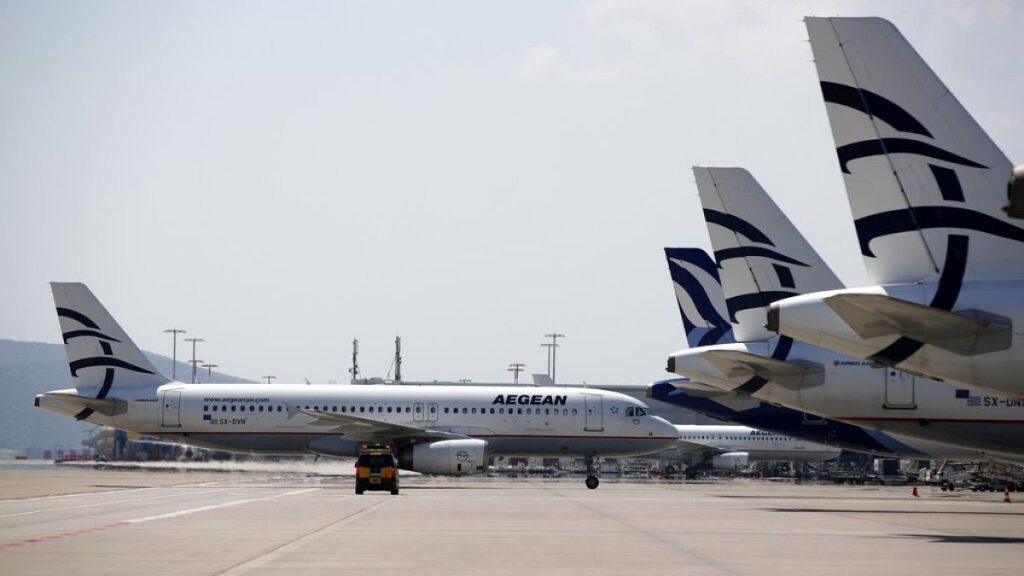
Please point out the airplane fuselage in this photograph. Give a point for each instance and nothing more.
(773, 417)
(753, 445)
(266, 419)
(856, 391)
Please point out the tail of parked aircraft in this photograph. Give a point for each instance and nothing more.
(761, 256)
(101, 356)
(926, 184)
(699, 296)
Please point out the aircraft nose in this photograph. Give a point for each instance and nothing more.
(664, 429)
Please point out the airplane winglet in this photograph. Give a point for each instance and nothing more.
(542, 380)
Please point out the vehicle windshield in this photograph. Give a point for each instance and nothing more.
(375, 460)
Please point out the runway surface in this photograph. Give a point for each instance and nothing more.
(85, 521)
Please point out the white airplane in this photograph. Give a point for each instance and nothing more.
(699, 295)
(434, 430)
(762, 258)
(736, 447)
(927, 188)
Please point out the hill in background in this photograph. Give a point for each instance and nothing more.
(30, 368)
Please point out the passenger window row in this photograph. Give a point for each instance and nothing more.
(500, 411)
(732, 438)
(388, 409)
(239, 408)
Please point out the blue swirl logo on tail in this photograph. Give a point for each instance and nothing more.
(710, 328)
(760, 299)
(918, 217)
(873, 226)
(107, 360)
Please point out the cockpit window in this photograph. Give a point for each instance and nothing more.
(629, 412)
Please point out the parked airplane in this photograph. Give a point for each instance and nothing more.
(736, 447)
(700, 299)
(434, 430)
(927, 189)
(762, 258)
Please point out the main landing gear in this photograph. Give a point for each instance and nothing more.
(593, 468)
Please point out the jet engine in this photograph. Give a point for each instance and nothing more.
(333, 446)
(445, 457)
(730, 461)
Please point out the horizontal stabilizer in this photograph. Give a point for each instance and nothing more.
(966, 332)
(736, 364)
(105, 406)
(699, 390)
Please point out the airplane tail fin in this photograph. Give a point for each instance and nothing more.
(927, 186)
(699, 296)
(100, 355)
(761, 256)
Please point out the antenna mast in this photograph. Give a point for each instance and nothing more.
(354, 370)
(398, 358)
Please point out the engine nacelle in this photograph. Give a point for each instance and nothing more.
(1015, 194)
(333, 446)
(445, 457)
(730, 461)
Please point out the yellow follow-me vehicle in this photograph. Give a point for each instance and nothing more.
(376, 469)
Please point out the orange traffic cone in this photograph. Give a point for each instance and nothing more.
(914, 492)
(1006, 494)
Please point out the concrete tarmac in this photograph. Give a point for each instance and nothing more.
(84, 521)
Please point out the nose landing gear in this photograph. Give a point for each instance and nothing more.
(593, 469)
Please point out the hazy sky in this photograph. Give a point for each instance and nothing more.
(281, 177)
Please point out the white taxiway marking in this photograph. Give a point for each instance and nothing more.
(108, 503)
(58, 496)
(215, 506)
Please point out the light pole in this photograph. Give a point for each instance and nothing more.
(195, 362)
(269, 378)
(193, 341)
(209, 371)
(174, 352)
(554, 351)
(549, 346)
(516, 368)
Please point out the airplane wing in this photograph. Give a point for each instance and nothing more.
(105, 406)
(695, 448)
(736, 364)
(966, 333)
(363, 429)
